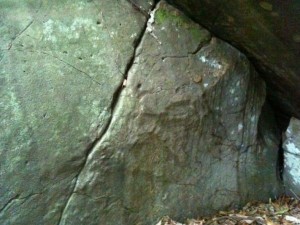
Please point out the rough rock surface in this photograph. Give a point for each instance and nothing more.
(61, 63)
(268, 31)
(183, 139)
(109, 116)
(291, 148)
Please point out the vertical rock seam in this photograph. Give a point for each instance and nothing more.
(114, 102)
(280, 161)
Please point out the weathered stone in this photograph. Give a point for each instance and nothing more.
(61, 63)
(175, 146)
(268, 31)
(110, 118)
(291, 148)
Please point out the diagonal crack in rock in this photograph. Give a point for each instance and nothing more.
(19, 34)
(16, 198)
(115, 100)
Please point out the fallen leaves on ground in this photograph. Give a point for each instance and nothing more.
(284, 210)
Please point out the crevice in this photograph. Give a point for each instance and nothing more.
(129, 65)
(202, 44)
(16, 198)
(25, 28)
(138, 8)
(115, 100)
(241, 169)
(291, 153)
(9, 202)
(174, 57)
(18, 34)
(280, 161)
(69, 197)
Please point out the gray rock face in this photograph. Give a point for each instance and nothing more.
(291, 148)
(109, 116)
(61, 64)
(183, 139)
(268, 31)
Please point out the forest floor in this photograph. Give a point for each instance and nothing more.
(284, 210)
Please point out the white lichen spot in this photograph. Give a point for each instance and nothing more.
(133, 35)
(150, 27)
(252, 119)
(203, 59)
(293, 165)
(236, 99)
(211, 62)
(112, 34)
(232, 91)
(292, 148)
(240, 126)
(238, 83)
(76, 35)
(63, 28)
(70, 31)
(80, 23)
(150, 22)
(48, 31)
(205, 84)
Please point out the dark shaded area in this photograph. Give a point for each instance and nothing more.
(280, 161)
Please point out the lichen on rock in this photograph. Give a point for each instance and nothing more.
(113, 115)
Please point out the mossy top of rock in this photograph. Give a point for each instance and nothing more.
(164, 16)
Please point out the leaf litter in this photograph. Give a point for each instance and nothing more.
(285, 210)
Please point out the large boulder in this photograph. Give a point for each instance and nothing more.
(184, 138)
(268, 31)
(291, 148)
(112, 116)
